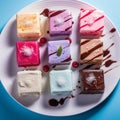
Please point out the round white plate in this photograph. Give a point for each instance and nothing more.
(79, 103)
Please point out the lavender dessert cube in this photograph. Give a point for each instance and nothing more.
(59, 52)
(60, 22)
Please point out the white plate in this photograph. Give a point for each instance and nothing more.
(78, 104)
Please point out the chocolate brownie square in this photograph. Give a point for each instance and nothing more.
(92, 81)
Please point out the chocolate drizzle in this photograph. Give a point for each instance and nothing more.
(48, 32)
(84, 55)
(107, 51)
(45, 12)
(68, 28)
(84, 42)
(96, 56)
(67, 60)
(106, 54)
(113, 30)
(107, 58)
(53, 66)
(53, 102)
(89, 66)
(109, 63)
(56, 13)
(72, 96)
(68, 19)
(111, 69)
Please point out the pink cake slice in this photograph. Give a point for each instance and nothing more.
(91, 23)
(60, 22)
(27, 53)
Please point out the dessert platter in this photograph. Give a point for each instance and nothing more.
(59, 58)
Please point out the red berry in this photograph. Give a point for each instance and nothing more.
(45, 68)
(69, 39)
(75, 64)
(43, 40)
(82, 9)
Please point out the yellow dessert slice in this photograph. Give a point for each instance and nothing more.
(28, 25)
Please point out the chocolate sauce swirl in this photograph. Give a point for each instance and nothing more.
(53, 102)
(45, 12)
(109, 63)
(113, 30)
(56, 13)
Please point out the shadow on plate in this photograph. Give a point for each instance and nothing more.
(54, 102)
(25, 100)
(12, 64)
(12, 34)
(83, 99)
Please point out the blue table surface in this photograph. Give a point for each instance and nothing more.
(109, 109)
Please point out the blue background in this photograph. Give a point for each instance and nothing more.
(109, 109)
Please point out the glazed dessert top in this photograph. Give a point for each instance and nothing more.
(91, 19)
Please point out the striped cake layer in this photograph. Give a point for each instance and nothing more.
(91, 22)
(91, 51)
(60, 22)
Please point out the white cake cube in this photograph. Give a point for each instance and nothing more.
(29, 83)
(28, 25)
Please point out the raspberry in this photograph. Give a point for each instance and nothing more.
(45, 68)
(75, 64)
(69, 39)
(43, 40)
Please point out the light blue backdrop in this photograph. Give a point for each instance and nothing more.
(109, 109)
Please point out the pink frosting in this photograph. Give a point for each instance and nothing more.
(91, 22)
(27, 53)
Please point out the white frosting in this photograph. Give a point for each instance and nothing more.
(90, 79)
(29, 82)
(27, 51)
(28, 23)
(60, 81)
(59, 21)
(21, 84)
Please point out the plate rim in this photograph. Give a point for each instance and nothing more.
(75, 1)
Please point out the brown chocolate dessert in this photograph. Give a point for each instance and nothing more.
(91, 51)
(92, 81)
